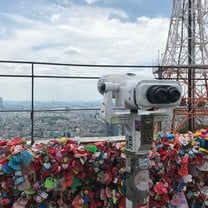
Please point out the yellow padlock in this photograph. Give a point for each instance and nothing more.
(203, 150)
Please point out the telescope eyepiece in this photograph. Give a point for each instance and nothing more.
(162, 94)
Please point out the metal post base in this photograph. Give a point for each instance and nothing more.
(137, 179)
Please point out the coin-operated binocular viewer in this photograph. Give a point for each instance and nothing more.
(137, 104)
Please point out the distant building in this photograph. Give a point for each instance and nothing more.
(1, 103)
(113, 129)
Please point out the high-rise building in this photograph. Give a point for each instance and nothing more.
(1, 103)
(113, 129)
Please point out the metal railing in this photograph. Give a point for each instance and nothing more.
(32, 75)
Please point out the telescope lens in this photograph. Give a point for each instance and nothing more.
(157, 94)
(173, 94)
(101, 86)
(162, 94)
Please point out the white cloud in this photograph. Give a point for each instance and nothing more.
(90, 1)
(72, 50)
(85, 35)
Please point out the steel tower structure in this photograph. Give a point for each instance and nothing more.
(186, 59)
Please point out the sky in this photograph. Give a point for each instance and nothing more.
(124, 32)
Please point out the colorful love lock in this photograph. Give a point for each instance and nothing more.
(47, 165)
(21, 202)
(43, 194)
(76, 183)
(38, 199)
(78, 202)
(175, 201)
(204, 166)
(59, 156)
(30, 191)
(18, 173)
(63, 140)
(55, 169)
(184, 140)
(51, 204)
(166, 181)
(17, 141)
(6, 169)
(108, 192)
(191, 153)
(198, 159)
(183, 170)
(108, 177)
(37, 185)
(45, 173)
(14, 164)
(160, 189)
(169, 136)
(64, 166)
(203, 150)
(101, 177)
(3, 142)
(103, 196)
(185, 160)
(19, 180)
(183, 199)
(81, 152)
(187, 178)
(81, 175)
(42, 205)
(26, 158)
(91, 148)
(197, 134)
(77, 166)
(25, 185)
(17, 149)
(50, 183)
(16, 158)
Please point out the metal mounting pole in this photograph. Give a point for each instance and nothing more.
(191, 71)
(137, 162)
(32, 105)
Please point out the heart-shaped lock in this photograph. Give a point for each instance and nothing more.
(47, 165)
(64, 166)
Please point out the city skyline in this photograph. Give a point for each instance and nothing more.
(15, 120)
(81, 31)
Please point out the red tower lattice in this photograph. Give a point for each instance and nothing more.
(187, 50)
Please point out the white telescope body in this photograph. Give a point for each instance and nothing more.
(132, 92)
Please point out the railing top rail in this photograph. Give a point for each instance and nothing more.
(104, 65)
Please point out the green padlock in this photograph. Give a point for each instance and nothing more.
(92, 148)
(50, 183)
